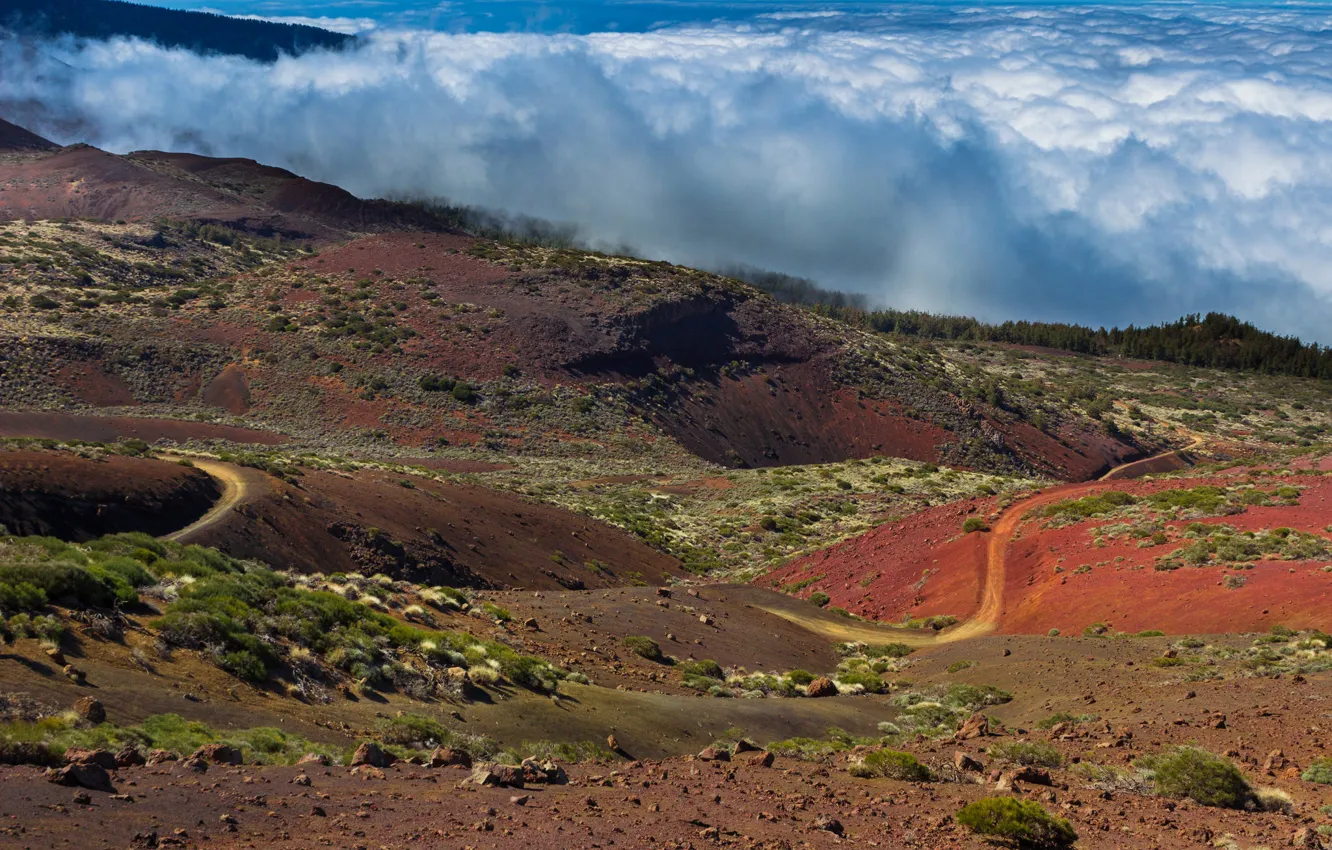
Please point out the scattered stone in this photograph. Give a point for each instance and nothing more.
(90, 709)
(81, 798)
(520, 800)
(821, 687)
(531, 624)
(1276, 760)
(75, 674)
(194, 764)
(301, 779)
(156, 757)
(828, 824)
(314, 758)
(612, 744)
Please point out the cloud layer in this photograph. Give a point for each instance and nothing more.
(1097, 164)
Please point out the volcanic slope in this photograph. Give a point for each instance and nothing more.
(163, 295)
(1243, 547)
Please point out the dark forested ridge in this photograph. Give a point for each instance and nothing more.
(202, 32)
(1215, 340)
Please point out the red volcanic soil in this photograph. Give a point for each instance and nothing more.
(1130, 596)
(91, 384)
(75, 498)
(919, 566)
(923, 565)
(229, 391)
(108, 429)
(428, 532)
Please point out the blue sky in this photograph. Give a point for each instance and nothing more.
(1092, 163)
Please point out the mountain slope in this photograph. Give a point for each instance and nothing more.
(202, 32)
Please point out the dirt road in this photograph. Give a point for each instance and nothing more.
(234, 491)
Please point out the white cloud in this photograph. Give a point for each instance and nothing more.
(1092, 163)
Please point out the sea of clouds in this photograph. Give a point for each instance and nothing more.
(1095, 163)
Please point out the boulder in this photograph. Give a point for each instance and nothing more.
(371, 754)
(829, 824)
(314, 758)
(714, 754)
(1306, 838)
(1032, 776)
(449, 757)
(499, 775)
(156, 757)
(543, 773)
(964, 762)
(218, 754)
(612, 743)
(90, 709)
(91, 776)
(764, 759)
(977, 726)
(744, 746)
(821, 687)
(102, 758)
(129, 756)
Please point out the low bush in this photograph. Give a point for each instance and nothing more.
(974, 524)
(1023, 822)
(1319, 771)
(889, 764)
(820, 598)
(644, 647)
(1036, 753)
(1205, 778)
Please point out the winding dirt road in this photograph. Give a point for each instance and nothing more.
(987, 617)
(234, 490)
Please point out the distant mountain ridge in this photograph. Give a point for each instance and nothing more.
(202, 32)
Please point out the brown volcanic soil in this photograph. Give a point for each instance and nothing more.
(75, 498)
(428, 533)
(83, 182)
(650, 803)
(14, 138)
(586, 631)
(108, 429)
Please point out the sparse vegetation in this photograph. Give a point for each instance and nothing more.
(1023, 822)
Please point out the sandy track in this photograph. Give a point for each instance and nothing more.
(234, 490)
(987, 618)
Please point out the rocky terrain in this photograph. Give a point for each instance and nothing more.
(327, 523)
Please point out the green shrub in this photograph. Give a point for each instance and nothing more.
(974, 523)
(890, 764)
(820, 599)
(886, 650)
(800, 677)
(644, 647)
(1020, 821)
(496, 611)
(706, 668)
(23, 596)
(1200, 776)
(1038, 753)
(1319, 771)
(872, 682)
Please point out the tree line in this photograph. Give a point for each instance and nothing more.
(1215, 340)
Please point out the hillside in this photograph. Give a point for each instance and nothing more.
(202, 32)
